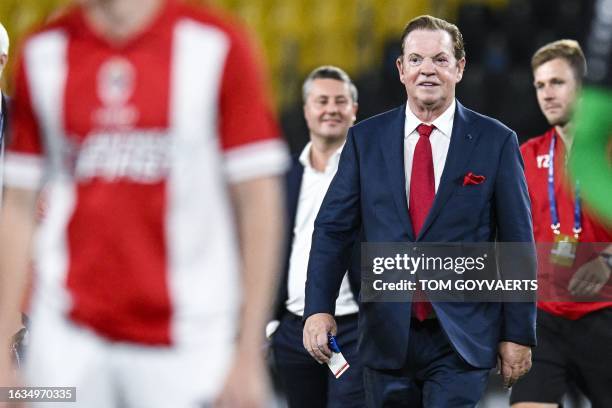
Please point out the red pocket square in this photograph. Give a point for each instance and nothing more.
(473, 179)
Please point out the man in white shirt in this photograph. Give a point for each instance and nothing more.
(330, 106)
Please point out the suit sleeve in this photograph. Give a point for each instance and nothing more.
(514, 225)
(335, 230)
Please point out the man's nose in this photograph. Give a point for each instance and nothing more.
(548, 93)
(428, 67)
(331, 107)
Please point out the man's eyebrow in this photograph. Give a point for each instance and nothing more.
(551, 79)
(441, 53)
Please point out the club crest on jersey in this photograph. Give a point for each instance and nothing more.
(116, 82)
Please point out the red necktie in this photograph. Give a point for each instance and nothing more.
(422, 192)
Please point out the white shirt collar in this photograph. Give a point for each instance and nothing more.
(444, 122)
(331, 165)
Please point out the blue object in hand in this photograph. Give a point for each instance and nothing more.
(333, 345)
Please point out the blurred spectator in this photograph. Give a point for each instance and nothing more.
(575, 334)
(149, 125)
(330, 106)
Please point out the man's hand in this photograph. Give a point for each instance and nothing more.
(9, 377)
(246, 385)
(258, 203)
(514, 361)
(589, 278)
(315, 336)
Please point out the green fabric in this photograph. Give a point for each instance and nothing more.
(589, 160)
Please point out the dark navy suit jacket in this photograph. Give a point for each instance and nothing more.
(369, 192)
(293, 184)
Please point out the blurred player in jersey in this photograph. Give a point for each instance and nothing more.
(574, 334)
(149, 125)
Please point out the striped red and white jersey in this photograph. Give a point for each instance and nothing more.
(136, 145)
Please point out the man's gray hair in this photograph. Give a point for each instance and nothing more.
(329, 72)
(4, 40)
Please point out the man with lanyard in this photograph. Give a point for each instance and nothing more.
(574, 333)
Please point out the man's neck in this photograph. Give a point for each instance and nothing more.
(321, 150)
(565, 132)
(119, 20)
(429, 113)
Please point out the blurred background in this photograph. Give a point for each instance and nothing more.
(361, 36)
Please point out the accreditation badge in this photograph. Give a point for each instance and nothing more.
(563, 252)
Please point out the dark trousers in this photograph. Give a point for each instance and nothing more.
(570, 351)
(433, 376)
(306, 383)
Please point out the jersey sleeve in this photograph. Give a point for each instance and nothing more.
(250, 136)
(24, 162)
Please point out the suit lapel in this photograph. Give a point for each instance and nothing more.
(461, 145)
(294, 184)
(392, 144)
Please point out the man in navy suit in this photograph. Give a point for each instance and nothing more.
(401, 178)
(330, 106)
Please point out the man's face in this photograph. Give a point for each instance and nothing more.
(329, 109)
(428, 68)
(556, 89)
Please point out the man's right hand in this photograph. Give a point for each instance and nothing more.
(316, 329)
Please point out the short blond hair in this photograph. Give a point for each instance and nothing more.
(569, 50)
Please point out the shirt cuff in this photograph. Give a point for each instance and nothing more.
(23, 170)
(256, 160)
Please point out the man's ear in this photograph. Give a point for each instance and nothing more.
(400, 67)
(460, 68)
(3, 61)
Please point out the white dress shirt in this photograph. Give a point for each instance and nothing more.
(439, 138)
(313, 189)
